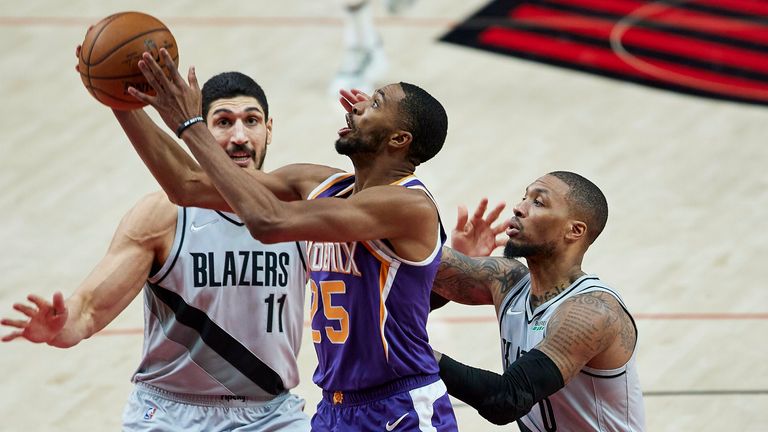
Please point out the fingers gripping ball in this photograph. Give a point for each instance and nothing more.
(110, 55)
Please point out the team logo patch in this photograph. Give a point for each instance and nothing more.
(149, 413)
(712, 48)
(539, 325)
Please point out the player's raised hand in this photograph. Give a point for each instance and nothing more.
(476, 236)
(349, 98)
(46, 319)
(176, 101)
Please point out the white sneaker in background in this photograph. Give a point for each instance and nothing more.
(361, 68)
(396, 7)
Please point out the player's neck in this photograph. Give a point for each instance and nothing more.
(380, 172)
(550, 278)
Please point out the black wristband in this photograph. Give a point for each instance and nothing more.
(187, 123)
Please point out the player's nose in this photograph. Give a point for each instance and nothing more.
(519, 209)
(238, 133)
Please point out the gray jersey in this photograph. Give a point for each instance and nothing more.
(224, 314)
(595, 399)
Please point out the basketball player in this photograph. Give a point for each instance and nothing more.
(568, 341)
(374, 246)
(223, 312)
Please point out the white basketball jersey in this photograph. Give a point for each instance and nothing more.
(594, 400)
(224, 314)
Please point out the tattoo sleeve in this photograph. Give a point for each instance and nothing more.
(475, 281)
(583, 327)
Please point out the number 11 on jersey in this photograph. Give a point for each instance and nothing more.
(270, 301)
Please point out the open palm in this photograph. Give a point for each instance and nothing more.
(45, 322)
(476, 236)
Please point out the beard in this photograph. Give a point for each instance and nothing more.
(354, 145)
(512, 250)
(258, 159)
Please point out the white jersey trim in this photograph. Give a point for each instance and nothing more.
(326, 184)
(382, 247)
(173, 253)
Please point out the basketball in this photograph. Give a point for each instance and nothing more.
(110, 54)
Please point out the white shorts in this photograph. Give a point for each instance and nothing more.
(153, 409)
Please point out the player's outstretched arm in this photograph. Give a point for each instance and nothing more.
(178, 174)
(365, 216)
(176, 102)
(107, 290)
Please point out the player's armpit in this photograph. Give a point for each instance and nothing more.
(583, 328)
(436, 301)
(502, 399)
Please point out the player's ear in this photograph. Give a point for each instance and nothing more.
(576, 230)
(401, 139)
(269, 130)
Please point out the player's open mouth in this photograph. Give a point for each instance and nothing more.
(241, 158)
(514, 228)
(345, 130)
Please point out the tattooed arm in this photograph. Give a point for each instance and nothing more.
(590, 329)
(476, 281)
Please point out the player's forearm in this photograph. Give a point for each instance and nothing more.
(79, 325)
(502, 399)
(462, 279)
(176, 172)
(256, 205)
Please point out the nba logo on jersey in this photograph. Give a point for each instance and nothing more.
(149, 413)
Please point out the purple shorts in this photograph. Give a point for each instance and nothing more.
(417, 403)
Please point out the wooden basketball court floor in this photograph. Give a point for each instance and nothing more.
(686, 241)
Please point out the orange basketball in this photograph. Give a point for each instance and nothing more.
(110, 54)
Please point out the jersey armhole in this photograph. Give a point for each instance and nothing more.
(173, 255)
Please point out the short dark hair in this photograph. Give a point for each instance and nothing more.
(232, 84)
(425, 118)
(586, 201)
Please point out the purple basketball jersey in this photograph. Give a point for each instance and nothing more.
(369, 307)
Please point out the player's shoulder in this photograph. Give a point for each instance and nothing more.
(600, 301)
(398, 198)
(153, 216)
(603, 308)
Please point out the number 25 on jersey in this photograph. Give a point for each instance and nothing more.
(332, 313)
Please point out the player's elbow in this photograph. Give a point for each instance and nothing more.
(177, 197)
(184, 192)
(499, 415)
(264, 228)
(505, 406)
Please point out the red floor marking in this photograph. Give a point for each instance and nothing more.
(250, 21)
(693, 316)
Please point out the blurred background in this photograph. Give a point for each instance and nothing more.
(661, 104)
